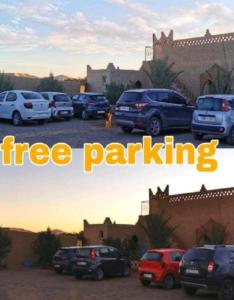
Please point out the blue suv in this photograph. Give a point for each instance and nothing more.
(153, 110)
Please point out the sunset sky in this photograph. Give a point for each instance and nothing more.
(38, 37)
(61, 197)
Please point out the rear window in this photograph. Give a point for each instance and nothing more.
(61, 252)
(130, 97)
(152, 256)
(199, 255)
(83, 252)
(31, 96)
(97, 98)
(61, 98)
(211, 104)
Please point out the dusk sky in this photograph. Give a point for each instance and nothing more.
(61, 197)
(38, 37)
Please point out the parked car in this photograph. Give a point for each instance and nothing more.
(214, 115)
(209, 267)
(61, 105)
(153, 110)
(87, 105)
(20, 106)
(99, 261)
(160, 266)
(63, 259)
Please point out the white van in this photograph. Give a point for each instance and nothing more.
(20, 106)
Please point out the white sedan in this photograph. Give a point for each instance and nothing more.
(20, 106)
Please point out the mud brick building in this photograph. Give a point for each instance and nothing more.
(194, 56)
(193, 211)
(95, 234)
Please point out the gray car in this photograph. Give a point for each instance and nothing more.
(214, 115)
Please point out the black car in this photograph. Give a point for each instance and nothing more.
(87, 105)
(99, 261)
(63, 259)
(153, 110)
(209, 267)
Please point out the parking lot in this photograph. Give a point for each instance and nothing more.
(45, 285)
(77, 132)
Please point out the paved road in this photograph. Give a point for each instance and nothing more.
(45, 285)
(78, 132)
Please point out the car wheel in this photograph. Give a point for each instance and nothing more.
(145, 282)
(126, 271)
(127, 129)
(169, 282)
(226, 291)
(197, 136)
(190, 291)
(84, 115)
(154, 127)
(17, 119)
(230, 138)
(99, 275)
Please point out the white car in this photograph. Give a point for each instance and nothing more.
(20, 106)
(60, 104)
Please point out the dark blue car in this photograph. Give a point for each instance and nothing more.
(64, 259)
(153, 110)
(87, 105)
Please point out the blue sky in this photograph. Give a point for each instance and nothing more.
(61, 197)
(64, 36)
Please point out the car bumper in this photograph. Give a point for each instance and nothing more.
(27, 116)
(158, 278)
(62, 113)
(131, 121)
(97, 112)
(84, 270)
(200, 283)
(219, 130)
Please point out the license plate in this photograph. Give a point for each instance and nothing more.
(192, 271)
(207, 118)
(148, 276)
(56, 266)
(81, 263)
(63, 112)
(124, 108)
(101, 112)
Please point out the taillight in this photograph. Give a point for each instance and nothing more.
(93, 254)
(28, 105)
(52, 104)
(211, 267)
(141, 106)
(225, 106)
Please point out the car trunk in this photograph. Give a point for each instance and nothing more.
(130, 102)
(151, 261)
(209, 111)
(62, 100)
(38, 105)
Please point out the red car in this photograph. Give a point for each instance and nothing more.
(160, 266)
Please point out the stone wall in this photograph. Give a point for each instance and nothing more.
(22, 247)
(95, 234)
(192, 210)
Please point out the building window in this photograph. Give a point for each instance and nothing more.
(101, 234)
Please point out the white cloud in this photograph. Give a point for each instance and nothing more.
(78, 33)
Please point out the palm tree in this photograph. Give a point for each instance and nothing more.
(222, 82)
(216, 235)
(5, 82)
(161, 74)
(158, 230)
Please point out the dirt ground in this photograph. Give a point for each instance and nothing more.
(46, 285)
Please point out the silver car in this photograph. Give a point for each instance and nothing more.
(214, 115)
(60, 104)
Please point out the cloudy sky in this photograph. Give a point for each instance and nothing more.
(64, 36)
(61, 197)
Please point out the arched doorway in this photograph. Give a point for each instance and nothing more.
(138, 84)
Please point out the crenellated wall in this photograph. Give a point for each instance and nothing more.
(192, 210)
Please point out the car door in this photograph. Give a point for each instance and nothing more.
(175, 258)
(105, 260)
(167, 108)
(78, 104)
(116, 262)
(2, 100)
(9, 105)
(185, 109)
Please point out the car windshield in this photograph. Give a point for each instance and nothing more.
(83, 252)
(61, 98)
(198, 254)
(152, 256)
(130, 97)
(31, 96)
(97, 98)
(209, 104)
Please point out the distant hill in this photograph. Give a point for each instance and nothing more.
(64, 77)
(22, 75)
